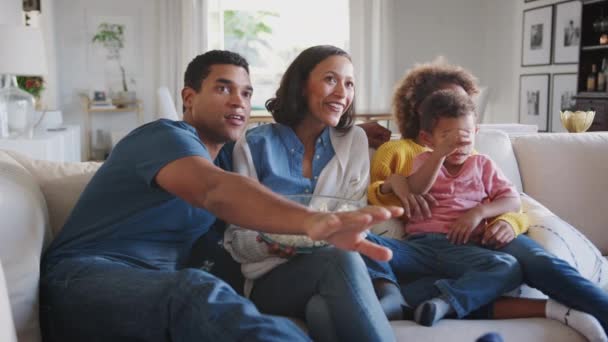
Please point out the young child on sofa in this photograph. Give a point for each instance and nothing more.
(574, 300)
(468, 188)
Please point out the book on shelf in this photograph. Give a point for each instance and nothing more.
(101, 105)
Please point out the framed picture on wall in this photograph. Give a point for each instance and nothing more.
(31, 5)
(536, 40)
(567, 37)
(534, 100)
(563, 90)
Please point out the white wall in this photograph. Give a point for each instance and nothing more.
(429, 28)
(10, 12)
(499, 51)
(484, 36)
(77, 73)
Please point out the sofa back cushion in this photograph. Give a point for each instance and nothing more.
(497, 145)
(568, 173)
(61, 184)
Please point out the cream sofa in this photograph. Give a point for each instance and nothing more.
(568, 173)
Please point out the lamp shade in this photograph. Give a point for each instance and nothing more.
(22, 51)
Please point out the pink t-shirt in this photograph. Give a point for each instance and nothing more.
(479, 180)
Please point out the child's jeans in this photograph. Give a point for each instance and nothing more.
(471, 275)
(331, 290)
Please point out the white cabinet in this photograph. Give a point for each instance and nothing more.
(59, 144)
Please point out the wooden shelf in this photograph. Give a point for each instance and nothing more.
(591, 95)
(114, 110)
(595, 47)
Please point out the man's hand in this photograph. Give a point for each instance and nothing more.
(464, 226)
(376, 134)
(414, 205)
(344, 229)
(498, 234)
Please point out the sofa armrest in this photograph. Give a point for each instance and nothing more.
(7, 327)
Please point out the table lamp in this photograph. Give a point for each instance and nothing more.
(21, 53)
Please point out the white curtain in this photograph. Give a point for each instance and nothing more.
(183, 35)
(372, 47)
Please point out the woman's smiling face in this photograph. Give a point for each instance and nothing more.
(330, 89)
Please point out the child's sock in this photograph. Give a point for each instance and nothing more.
(431, 311)
(584, 323)
(391, 299)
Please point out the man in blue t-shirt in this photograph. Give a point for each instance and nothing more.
(117, 269)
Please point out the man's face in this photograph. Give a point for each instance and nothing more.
(221, 108)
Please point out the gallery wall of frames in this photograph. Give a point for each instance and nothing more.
(564, 61)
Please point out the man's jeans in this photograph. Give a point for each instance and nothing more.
(472, 276)
(331, 290)
(101, 299)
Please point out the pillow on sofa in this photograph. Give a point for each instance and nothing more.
(61, 184)
(23, 232)
(564, 241)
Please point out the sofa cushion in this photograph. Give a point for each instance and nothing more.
(23, 232)
(61, 184)
(568, 173)
(497, 145)
(527, 329)
(7, 327)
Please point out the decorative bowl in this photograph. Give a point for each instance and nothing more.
(578, 121)
(301, 243)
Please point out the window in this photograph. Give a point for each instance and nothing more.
(271, 33)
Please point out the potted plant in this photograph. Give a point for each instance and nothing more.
(33, 85)
(111, 37)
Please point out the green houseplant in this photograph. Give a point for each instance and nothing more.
(112, 38)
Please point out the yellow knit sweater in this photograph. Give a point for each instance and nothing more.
(397, 156)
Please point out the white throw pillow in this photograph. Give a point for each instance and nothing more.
(565, 242)
(23, 232)
(61, 184)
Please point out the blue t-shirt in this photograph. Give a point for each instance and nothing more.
(277, 155)
(123, 214)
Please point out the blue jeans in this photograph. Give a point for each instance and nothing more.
(557, 279)
(100, 299)
(331, 290)
(472, 276)
(545, 272)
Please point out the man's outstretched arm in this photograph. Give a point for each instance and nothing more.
(244, 202)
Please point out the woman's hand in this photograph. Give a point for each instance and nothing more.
(462, 229)
(415, 206)
(345, 230)
(498, 234)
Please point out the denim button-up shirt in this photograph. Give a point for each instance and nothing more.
(278, 154)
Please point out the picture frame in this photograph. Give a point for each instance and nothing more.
(99, 96)
(567, 32)
(31, 5)
(537, 36)
(563, 88)
(534, 100)
(526, 1)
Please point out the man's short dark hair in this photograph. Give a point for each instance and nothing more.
(289, 106)
(447, 103)
(200, 67)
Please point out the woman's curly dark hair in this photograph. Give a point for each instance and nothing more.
(418, 83)
(289, 106)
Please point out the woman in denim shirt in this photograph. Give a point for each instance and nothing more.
(313, 148)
